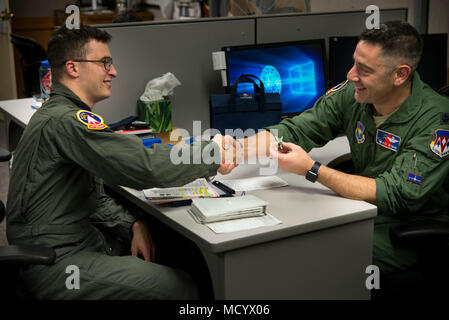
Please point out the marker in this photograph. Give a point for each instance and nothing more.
(224, 187)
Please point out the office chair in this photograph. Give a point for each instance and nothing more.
(32, 54)
(430, 277)
(12, 258)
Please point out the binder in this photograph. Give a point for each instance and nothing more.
(206, 210)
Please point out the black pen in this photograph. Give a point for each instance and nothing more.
(224, 187)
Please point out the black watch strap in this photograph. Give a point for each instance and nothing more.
(312, 174)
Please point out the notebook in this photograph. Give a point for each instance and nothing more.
(206, 210)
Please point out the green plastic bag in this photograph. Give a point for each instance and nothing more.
(156, 113)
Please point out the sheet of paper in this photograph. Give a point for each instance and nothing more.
(255, 183)
(243, 224)
(197, 188)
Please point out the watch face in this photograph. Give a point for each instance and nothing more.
(312, 174)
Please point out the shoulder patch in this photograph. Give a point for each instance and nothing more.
(91, 120)
(440, 146)
(337, 87)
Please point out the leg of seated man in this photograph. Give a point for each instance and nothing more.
(109, 277)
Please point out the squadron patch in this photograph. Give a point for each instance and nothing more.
(337, 87)
(414, 178)
(440, 146)
(388, 140)
(359, 132)
(91, 120)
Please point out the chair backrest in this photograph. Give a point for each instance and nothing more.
(32, 54)
(5, 155)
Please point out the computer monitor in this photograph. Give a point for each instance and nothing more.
(432, 67)
(297, 70)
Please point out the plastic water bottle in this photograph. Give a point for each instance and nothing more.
(45, 79)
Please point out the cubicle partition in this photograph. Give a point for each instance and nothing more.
(146, 50)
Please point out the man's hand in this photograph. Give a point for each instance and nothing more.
(142, 243)
(291, 158)
(231, 153)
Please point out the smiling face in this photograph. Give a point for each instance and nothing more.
(95, 80)
(372, 76)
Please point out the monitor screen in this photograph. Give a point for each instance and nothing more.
(296, 70)
(432, 67)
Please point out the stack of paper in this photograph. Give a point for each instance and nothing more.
(220, 209)
(198, 188)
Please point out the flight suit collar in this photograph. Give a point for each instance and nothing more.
(62, 90)
(411, 105)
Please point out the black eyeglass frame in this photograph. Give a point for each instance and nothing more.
(107, 62)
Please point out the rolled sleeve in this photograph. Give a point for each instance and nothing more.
(396, 193)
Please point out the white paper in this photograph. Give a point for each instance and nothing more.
(197, 188)
(243, 224)
(255, 183)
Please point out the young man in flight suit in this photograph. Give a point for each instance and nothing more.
(56, 197)
(398, 131)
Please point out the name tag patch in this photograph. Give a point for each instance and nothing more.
(414, 178)
(388, 140)
(440, 145)
(91, 120)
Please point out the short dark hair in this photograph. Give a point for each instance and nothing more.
(398, 39)
(66, 44)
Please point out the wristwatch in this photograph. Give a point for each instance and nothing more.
(312, 174)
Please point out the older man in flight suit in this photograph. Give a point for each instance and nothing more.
(56, 197)
(398, 131)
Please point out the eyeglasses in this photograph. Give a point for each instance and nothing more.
(107, 62)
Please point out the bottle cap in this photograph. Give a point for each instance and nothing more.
(45, 64)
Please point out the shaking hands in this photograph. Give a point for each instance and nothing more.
(231, 152)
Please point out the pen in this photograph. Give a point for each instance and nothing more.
(224, 187)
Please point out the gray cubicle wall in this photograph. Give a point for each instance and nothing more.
(320, 25)
(143, 51)
(272, 29)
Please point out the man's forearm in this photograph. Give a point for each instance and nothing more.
(258, 145)
(348, 185)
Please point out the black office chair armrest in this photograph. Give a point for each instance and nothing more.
(420, 230)
(27, 255)
(5, 155)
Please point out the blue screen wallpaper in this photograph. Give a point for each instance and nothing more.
(295, 71)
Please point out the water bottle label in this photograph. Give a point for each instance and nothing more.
(46, 85)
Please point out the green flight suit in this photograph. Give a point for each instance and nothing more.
(56, 199)
(406, 155)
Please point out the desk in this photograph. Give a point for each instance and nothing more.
(320, 251)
